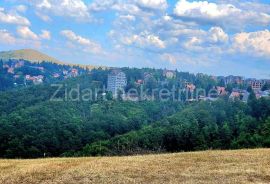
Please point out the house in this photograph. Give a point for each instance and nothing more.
(74, 72)
(139, 82)
(35, 79)
(147, 76)
(189, 86)
(240, 94)
(40, 77)
(56, 75)
(262, 94)
(169, 74)
(117, 80)
(19, 64)
(221, 91)
(28, 77)
(234, 95)
(10, 70)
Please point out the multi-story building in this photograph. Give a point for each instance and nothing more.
(117, 80)
(256, 84)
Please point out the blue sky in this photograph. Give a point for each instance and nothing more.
(215, 37)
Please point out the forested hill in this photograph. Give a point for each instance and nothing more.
(26, 67)
(33, 125)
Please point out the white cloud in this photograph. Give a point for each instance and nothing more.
(44, 4)
(257, 43)
(68, 8)
(153, 4)
(128, 17)
(43, 17)
(26, 33)
(214, 39)
(185, 60)
(203, 9)
(139, 8)
(6, 37)
(216, 34)
(98, 5)
(129, 8)
(169, 58)
(87, 44)
(144, 40)
(21, 8)
(45, 35)
(167, 17)
(193, 43)
(227, 15)
(13, 18)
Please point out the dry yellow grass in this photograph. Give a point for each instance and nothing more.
(243, 166)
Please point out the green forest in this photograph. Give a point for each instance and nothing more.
(33, 126)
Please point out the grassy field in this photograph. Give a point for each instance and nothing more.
(243, 166)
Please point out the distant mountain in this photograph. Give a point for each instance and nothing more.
(29, 55)
(35, 56)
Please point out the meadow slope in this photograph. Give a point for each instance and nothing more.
(242, 166)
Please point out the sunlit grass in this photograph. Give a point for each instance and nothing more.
(242, 166)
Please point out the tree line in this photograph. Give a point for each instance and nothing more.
(32, 126)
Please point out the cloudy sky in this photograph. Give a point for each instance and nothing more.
(217, 37)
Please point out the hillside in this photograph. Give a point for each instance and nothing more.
(243, 166)
(18, 73)
(29, 55)
(40, 119)
(36, 57)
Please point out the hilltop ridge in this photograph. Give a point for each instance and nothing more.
(29, 55)
(35, 56)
